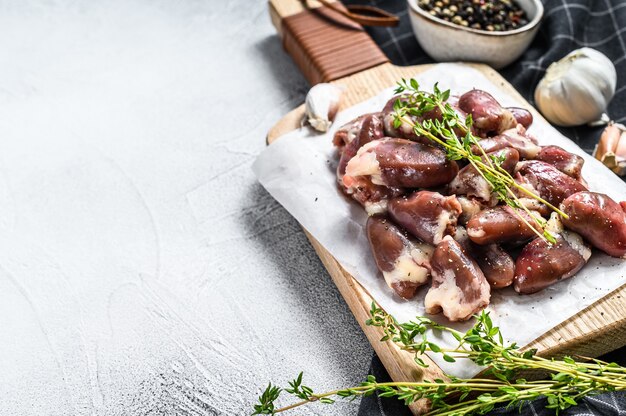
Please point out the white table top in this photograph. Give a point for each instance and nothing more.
(143, 270)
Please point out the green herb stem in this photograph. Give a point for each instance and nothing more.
(483, 344)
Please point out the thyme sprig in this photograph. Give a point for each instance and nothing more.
(569, 381)
(454, 134)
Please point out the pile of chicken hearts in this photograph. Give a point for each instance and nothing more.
(434, 219)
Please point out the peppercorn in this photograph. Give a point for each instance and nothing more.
(494, 15)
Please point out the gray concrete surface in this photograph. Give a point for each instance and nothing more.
(142, 268)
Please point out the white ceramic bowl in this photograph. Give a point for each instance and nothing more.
(445, 41)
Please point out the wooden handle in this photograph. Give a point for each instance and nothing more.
(364, 15)
(323, 40)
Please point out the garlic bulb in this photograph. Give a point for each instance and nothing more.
(611, 149)
(576, 89)
(321, 105)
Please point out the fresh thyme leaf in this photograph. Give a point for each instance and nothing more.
(297, 389)
(548, 236)
(266, 401)
(448, 358)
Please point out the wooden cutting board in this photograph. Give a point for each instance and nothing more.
(598, 329)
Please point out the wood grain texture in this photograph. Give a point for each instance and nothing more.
(598, 329)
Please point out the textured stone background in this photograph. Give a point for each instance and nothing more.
(142, 268)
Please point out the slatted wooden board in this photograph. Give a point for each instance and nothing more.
(596, 330)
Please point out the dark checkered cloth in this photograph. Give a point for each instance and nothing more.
(567, 25)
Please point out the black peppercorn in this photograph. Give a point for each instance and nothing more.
(495, 15)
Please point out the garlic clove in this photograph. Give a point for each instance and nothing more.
(608, 141)
(611, 148)
(576, 89)
(321, 105)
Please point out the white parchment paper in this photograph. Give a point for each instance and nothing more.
(299, 171)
